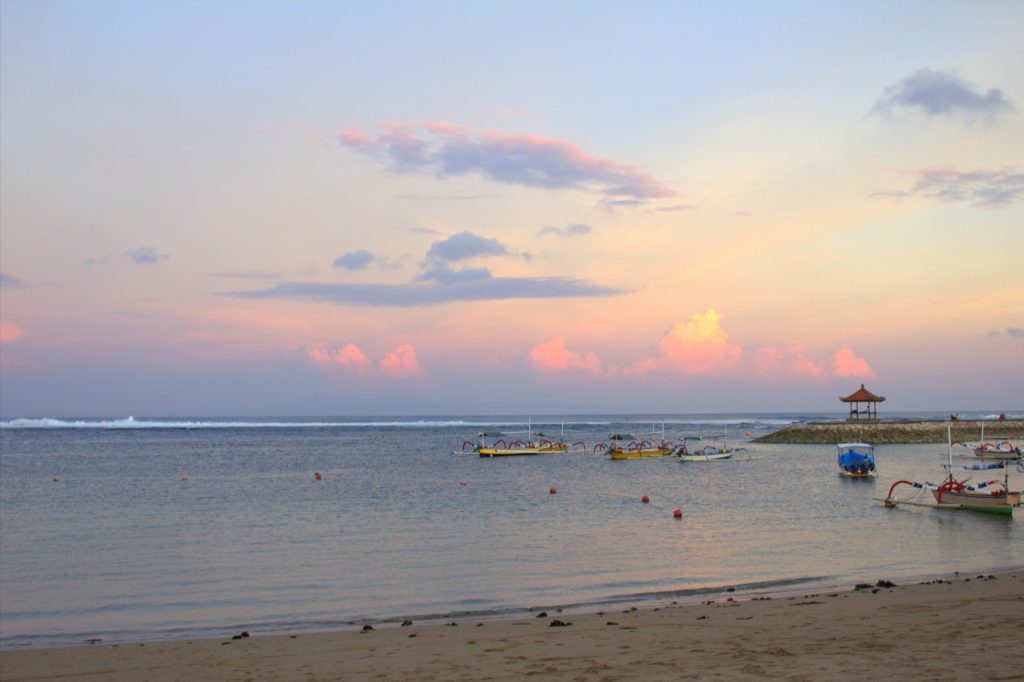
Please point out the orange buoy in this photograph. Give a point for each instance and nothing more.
(56, 478)
(677, 512)
(318, 476)
(463, 482)
(553, 491)
(645, 499)
(184, 477)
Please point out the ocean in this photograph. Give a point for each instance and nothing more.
(189, 528)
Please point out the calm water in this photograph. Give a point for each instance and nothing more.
(122, 548)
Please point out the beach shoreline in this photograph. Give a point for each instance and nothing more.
(811, 632)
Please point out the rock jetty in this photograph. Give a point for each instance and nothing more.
(897, 431)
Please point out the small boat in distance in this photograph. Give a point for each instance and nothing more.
(509, 444)
(856, 460)
(998, 447)
(708, 453)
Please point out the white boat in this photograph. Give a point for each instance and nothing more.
(997, 447)
(990, 497)
(708, 453)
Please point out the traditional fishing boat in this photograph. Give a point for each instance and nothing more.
(998, 447)
(509, 443)
(990, 497)
(708, 453)
(626, 446)
(856, 460)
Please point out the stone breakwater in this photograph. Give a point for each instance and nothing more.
(882, 431)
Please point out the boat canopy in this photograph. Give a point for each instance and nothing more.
(848, 446)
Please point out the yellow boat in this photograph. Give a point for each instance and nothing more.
(625, 446)
(507, 444)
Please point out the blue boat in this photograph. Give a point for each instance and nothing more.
(856, 460)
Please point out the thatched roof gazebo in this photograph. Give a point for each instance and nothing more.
(870, 400)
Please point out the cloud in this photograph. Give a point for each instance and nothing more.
(677, 207)
(247, 274)
(446, 275)
(846, 364)
(401, 362)
(573, 230)
(350, 357)
(465, 245)
(1015, 332)
(445, 150)
(10, 333)
(553, 356)
(354, 260)
(980, 188)
(145, 255)
(789, 360)
(698, 345)
(10, 281)
(942, 93)
(460, 288)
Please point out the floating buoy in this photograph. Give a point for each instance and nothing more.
(677, 512)
(184, 477)
(645, 499)
(318, 476)
(748, 433)
(463, 482)
(56, 478)
(553, 491)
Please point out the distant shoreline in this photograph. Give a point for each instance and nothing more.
(895, 431)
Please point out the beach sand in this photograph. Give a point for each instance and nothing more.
(958, 628)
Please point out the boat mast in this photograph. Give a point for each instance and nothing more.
(949, 449)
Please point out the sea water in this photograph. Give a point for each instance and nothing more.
(189, 528)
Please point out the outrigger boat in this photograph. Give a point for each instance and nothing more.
(506, 444)
(625, 446)
(990, 497)
(708, 453)
(856, 460)
(999, 447)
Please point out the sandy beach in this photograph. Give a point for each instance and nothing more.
(961, 627)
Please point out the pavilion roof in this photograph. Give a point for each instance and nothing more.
(863, 395)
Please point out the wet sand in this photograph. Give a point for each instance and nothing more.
(962, 627)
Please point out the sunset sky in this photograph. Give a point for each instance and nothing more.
(389, 208)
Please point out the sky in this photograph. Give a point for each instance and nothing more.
(430, 208)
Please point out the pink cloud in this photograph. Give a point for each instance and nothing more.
(401, 362)
(350, 357)
(847, 364)
(447, 150)
(553, 356)
(789, 360)
(698, 346)
(10, 332)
